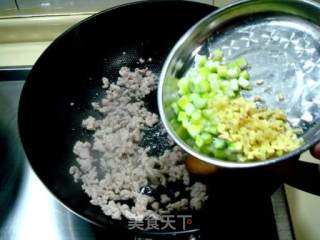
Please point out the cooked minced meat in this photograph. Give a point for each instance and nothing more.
(198, 195)
(164, 198)
(89, 123)
(114, 167)
(105, 82)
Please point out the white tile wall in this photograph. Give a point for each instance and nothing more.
(7, 6)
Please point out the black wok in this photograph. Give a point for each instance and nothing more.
(70, 70)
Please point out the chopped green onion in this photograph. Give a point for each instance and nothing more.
(207, 138)
(175, 123)
(202, 87)
(214, 82)
(217, 55)
(234, 86)
(200, 60)
(224, 85)
(245, 74)
(194, 130)
(219, 153)
(186, 123)
(204, 72)
(219, 143)
(235, 147)
(175, 107)
(212, 66)
(212, 129)
(182, 132)
(231, 156)
(234, 72)
(198, 101)
(208, 113)
(184, 85)
(223, 72)
(244, 83)
(183, 101)
(189, 108)
(196, 120)
(199, 141)
(182, 116)
(241, 62)
(196, 117)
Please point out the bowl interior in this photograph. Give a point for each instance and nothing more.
(280, 41)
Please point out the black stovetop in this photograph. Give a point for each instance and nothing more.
(29, 211)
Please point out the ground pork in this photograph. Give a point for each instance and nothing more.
(113, 167)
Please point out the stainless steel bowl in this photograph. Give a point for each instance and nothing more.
(281, 42)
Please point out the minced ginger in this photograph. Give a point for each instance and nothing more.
(262, 133)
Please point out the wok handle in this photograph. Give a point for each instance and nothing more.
(299, 174)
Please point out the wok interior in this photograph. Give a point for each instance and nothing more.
(70, 71)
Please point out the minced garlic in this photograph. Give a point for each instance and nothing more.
(263, 133)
